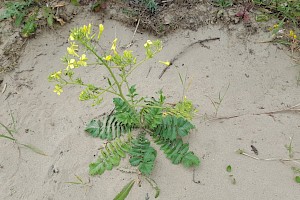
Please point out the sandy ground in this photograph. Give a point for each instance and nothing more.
(261, 78)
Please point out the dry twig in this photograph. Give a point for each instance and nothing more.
(295, 108)
(184, 50)
(242, 152)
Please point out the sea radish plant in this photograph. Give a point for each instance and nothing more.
(135, 121)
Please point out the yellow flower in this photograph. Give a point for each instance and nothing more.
(71, 37)
(164, 114)
(82, 60)
(72, 51)
(74, 46)
(56, 75)
(84, 29)
(114, 46)
(108, 58)
(293, 35)
(167, 63)
(127, 54)
(58, 89)
(89, 28)
(101, 29)
(71, 63)
(83, 57)
(148, 43)
(275, 26)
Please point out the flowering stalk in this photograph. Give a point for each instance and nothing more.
(124, 64)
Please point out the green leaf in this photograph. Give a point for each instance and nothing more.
(228, 168)
(135, 161)
(297, 179)
(190, 160)
(108, 128)
(96, 168)
(93, 128)
(125, 113)
(153, 117)
(109, 157)
(50, 20)
(262, 18)
(146, 168)
(142, 155)
(125, 191)
(30, 27)
(176, 151)
(184, 109)
(132, 93)
(75, 2)
(173, 127)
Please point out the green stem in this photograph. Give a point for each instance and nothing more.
(137, 65)
(98, 88)
(147, 106)
(109, 70)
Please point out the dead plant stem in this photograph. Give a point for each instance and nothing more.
(184, 50)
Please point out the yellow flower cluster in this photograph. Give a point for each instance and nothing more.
(101, 29)
(72, 49)
(114, 46)
(72, 63)
(84, 32)
(292, 34)
(56, 75)
(58, 89)
(152, 47)
(81, 32)
(148, 43)
(108, 58)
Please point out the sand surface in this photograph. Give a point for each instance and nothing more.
(260, 78)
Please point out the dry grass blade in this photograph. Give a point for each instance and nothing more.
(34, 149)
(7, 129)
(154, 185)
(74, 183)
(126, 170)
(295, 108)
(7, 137)
(79, 182)
(4, 88)
(242, 152)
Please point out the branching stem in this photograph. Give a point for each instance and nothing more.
(110, 72)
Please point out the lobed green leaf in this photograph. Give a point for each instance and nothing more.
(142, 155)
(109, 128)
(172, 127)
(109, 157)
(177, 151)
